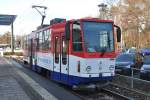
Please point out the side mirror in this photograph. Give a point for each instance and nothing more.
(118, 33)
(67, 31)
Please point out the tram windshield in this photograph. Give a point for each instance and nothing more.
(98, 36)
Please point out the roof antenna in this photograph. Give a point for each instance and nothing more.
(43, 14)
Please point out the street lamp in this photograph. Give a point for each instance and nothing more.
(102, 10)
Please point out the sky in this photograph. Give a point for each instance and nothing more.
(28, 18)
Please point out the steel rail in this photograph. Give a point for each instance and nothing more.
(117, 94)
(128, 89)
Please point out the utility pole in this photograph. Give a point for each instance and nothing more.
(12, 36)
(43, 14)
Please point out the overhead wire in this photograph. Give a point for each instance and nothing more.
(41, 2)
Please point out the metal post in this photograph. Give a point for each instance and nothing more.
(12, 37)
(132, 77)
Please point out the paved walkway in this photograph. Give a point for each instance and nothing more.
(18, 83)
(10, 89)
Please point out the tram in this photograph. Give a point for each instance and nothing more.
(74, 52)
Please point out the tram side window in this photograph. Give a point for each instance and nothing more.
(43, 41)
(64, 51)
(37, 41)
(40, 40)
(77, 38)
(25, 43)
(56, 49)
(29, 46)
(46, 41)
(49, 32)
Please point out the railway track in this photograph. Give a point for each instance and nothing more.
(117, 94)
(126, 93)
(100, 94)
(111, 91)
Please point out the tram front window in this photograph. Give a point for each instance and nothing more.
(98, 36)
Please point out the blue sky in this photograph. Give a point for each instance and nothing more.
(28, 19)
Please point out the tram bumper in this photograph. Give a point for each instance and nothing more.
(91, 83)
(91, 78)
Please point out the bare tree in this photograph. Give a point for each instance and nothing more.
(5, 38)
(134, 18)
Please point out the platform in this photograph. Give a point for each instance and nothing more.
(10, 89)
(18, 82)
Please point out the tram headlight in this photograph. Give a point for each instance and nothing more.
(111, 67)
(88, 68)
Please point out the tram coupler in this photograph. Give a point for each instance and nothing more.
(84, 87)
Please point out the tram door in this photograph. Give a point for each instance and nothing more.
(57, 56)
(60, 59)
(64, 60)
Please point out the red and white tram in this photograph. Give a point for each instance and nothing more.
(74, 52)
